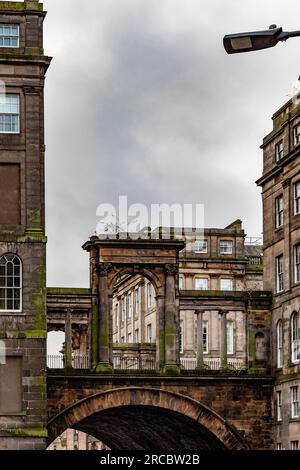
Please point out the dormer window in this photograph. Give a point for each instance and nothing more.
(9, 35)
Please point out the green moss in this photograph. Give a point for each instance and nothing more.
(161, 347)
(104, 368)
(26, 432)
(39, 300)
(171, 370)
(29, 334)
(68, 291)
(169, 337)
(32, 5)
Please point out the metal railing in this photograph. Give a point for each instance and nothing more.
(190, 363)
(134, 363)
(58, 362)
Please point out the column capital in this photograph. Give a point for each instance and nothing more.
(222, 312)
(171, 269)
(104, 268)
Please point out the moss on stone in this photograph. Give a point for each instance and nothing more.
(32, 5)
(26, 432)
(68, 291)
(28, 334)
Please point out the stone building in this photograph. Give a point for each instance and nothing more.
(280, 185)
(23, 66)
(221, 261)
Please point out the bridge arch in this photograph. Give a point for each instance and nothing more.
(136, 418)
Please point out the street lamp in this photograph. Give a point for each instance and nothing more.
(255, 40)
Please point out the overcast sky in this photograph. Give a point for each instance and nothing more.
(143, 101)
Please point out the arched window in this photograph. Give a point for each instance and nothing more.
(10, 283)
(279, 344)
(295, 337)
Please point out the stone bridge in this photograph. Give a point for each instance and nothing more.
(135, 412)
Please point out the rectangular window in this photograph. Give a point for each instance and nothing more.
(294, 403)
(9, 35)
(279, 274)
(9, 114)
(297, 198)
(226, 247)
(278, 211)
(205, 336)
(149, 333)
(279, 406)
(294, 445)
(297, 263)
(149, 295)
(297, 134)
(200, 246)
(279, 446)
(129, 305)
(201, 283)
(137, 301)
(226, 284)
(230, 348)
(181, 283)
(123, 309)
(129, 338)
(116, 315)
(136, 336)
(181, 342)
(279, 151)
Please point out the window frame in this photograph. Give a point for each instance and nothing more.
(230, 331)
(279, 211)
(279, 344)
(222, 279)
(279, 150)
(221, 250)
(294, 445)
(297, 263)
(149, 336)
(203, 250)
(9, 311)
(296, 198)
(296, 134)
(279, 274)
(116, 314)
(279, 406)
(18, 131)
(294, 397)
(198, 278)
(10, 36)
(294, 328)
(149, 296)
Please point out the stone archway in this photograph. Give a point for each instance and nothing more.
(148, 419)
(158, 260)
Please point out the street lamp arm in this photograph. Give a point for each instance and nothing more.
(255, 40)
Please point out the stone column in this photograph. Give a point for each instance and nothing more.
(142, 311)
(68, 339)
(171, 321)
(104, 344)
(119, 320)
(223, 352)
(200, 361)
(160, 331)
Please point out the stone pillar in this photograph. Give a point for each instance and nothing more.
(200, 361)
(104, 344)
(172, 364)
(223, 352)
(160, 331)
(68, 340)
(119, 320)
(142, 311)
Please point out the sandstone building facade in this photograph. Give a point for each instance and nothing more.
(23, 66)
(280, 185)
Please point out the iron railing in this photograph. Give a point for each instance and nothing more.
(190, 363)
(58, 362)
(134, 363)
